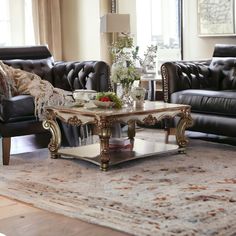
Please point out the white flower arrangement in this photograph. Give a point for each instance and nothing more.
(125, 56)
(148, 63)
(123, 69)
(125, 75)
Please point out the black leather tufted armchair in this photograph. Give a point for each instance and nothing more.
(17, 113)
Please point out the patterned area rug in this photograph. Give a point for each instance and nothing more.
(177, 194)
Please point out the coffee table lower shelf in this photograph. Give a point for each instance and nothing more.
(141, 149)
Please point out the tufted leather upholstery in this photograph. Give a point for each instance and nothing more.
(188, 75)
(17, 113)
(208, 86)
(81, 75)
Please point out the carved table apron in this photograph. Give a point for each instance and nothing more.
(103, 119)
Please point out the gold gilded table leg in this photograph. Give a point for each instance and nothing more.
(55, 141)
(131, 132)
(184, 122)
(131, 129)
(104, 136)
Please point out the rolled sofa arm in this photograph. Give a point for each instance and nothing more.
(17, 108)
(181, 75)
(82, 75)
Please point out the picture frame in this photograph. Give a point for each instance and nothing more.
(216, 18)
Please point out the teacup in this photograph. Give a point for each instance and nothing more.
(82, 96)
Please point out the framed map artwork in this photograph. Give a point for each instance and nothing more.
(216, 17)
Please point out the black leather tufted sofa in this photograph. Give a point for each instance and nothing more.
(17, 113)
(209, 86)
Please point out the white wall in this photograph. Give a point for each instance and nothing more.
(196, 47)
(81, 29)
(105, 38)
(89, 29)
(17, 22)
(70, 30)
(128, 7)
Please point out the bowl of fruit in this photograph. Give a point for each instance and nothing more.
(107, 100)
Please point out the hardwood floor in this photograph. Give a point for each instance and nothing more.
(20, 219)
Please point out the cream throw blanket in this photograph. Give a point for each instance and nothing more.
(22, 82)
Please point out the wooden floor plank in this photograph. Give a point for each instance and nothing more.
(17, 219)
(5, 201)
(16, 209)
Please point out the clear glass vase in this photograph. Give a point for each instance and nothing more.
(126, 94)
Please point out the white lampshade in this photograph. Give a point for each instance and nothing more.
(115, 23)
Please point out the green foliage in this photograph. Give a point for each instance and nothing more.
(122, 49)
(113, 97)
(124, 75)
(127, 64)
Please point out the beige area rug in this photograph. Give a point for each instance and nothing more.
(177, 194)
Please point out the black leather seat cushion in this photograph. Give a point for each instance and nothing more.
(208, 101)
(212, 124)
(17, 108)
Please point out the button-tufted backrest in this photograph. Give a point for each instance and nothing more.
(193, 75)
(187, 75)
(35, 59)
(224, 61)
(66, 75)
(82, 75)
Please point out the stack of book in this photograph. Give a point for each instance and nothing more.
(120, 144)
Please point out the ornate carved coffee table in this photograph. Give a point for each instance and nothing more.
(103, 119)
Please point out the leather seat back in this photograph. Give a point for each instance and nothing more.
(224, 50)
(35, 59)
(82, 75)
(224, 61)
